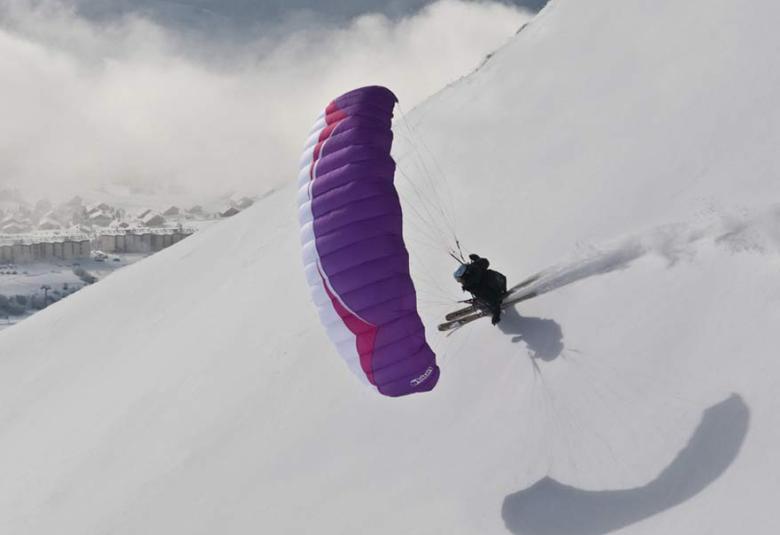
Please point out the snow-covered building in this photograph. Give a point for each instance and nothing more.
(14, 228)
(15, 225)
(6, 254)
(106, 243)
(47, 249)
(132, 242)
(153, 219)
(172, 211)
(42, 207)
(102, 207)
(100, 218)
(49, 222)
(70, 250)
(22, 253)
(197, 211)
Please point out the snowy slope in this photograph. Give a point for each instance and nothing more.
(626, 146)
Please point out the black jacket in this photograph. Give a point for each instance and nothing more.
(476, 270)
(485, 284)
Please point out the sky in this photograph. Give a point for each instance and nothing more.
(204, 98)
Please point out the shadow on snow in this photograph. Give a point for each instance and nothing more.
(552, 508)
(544, 337)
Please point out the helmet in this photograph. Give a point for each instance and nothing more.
(460, 272)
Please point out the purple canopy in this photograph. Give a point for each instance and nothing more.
(356, 262)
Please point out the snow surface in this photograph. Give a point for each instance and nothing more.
(627, 148)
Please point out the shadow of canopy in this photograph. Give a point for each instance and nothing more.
(552, 508)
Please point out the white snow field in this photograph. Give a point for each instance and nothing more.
(630, 148)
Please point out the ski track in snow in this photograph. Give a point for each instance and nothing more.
(675, 243)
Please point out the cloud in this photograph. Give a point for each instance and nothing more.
(128, 101)
(241, 15)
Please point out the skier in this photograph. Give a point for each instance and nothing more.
(486, 285)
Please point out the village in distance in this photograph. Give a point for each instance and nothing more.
(49, 251)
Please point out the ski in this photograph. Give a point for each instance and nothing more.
(465, 320)
(465, 311)
(453, 324)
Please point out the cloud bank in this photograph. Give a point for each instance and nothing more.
(128, 101)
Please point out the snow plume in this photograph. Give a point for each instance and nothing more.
(737, 233)
(130, 101)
